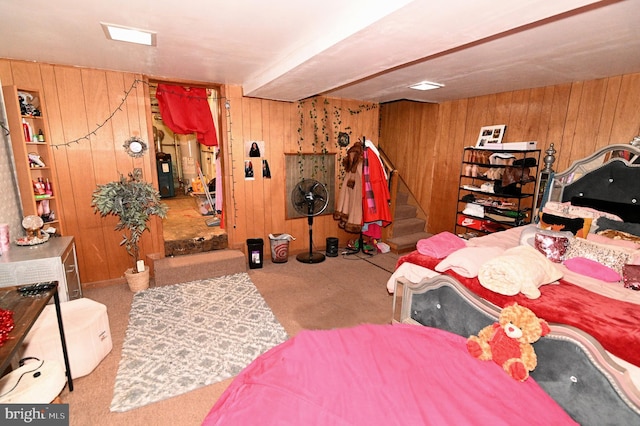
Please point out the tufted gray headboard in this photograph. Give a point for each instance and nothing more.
(611, 174)
(572, 367)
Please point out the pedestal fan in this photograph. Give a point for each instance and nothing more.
(310, 198)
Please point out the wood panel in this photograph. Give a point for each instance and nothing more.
(578, 118)
(424, 141)
(87, 151)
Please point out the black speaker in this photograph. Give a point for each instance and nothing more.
(332, 247)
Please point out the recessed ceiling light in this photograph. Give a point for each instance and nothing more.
(426, 85)
(130, 35)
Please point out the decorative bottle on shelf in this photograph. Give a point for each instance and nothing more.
(48, 189)
(40, 136)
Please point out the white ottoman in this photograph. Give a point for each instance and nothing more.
(86, 330)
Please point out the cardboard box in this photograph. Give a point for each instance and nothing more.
(86, 330)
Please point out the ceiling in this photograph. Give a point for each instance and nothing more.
(369, 50)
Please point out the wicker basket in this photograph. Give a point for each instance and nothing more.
(137, 282)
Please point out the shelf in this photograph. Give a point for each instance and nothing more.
(20, 102)
(488, 217)
(496, 194)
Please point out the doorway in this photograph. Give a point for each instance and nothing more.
(187, 170)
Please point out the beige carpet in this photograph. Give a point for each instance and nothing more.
(340, 292)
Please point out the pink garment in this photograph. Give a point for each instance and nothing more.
(380, 375)
(186, 110)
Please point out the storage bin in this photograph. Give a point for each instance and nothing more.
(86, 330)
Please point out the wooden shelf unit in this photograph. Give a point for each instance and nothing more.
(25, 143)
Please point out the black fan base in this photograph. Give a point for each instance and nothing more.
(310, 257)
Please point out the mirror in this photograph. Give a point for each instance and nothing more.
(135, 146)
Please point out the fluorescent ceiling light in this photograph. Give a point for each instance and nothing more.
(130, 35)
(426, 85)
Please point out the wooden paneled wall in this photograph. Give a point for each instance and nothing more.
(425, 142)
(85, 109)
(256, 208)
(78, 102)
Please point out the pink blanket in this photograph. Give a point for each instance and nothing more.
(380, 375)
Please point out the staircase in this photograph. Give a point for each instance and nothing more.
(407, 228)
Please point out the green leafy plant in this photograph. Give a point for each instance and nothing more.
(133, 201)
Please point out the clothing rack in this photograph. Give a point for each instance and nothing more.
(349, 251)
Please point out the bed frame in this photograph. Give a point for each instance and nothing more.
(573, 368)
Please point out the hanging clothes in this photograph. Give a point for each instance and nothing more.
(186, 110)
(376, 211)
(349, 208)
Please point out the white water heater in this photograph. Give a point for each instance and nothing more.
(189, 156)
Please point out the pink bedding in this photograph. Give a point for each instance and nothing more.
(614, 323)
(380, 375)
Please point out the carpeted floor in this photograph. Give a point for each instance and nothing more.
(340, 292)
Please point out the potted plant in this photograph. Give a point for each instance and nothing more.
(133, 201)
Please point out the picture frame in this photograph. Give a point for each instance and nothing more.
(490, 135)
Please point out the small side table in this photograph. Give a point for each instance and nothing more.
(26, 310)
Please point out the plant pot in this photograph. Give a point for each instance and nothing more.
(137, 281)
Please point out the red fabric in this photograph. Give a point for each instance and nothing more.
(380, 189)
(186, 110)
(380, 375)
(615, 324)
(503, 347)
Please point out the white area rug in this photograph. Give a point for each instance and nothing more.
(185, 336)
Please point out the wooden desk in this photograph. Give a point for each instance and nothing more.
(26, 310)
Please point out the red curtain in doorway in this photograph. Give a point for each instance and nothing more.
(186, 110)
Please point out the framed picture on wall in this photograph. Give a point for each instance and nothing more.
(490, 135)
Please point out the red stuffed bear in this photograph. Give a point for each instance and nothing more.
(508, 341)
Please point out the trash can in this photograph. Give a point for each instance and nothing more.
(255, 247)
(280, 247)
(332, 247)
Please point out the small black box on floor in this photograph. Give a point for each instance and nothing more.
(255, 249)
(332, 247)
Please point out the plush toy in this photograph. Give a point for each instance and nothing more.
(508, 341)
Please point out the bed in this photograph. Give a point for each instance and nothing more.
(608, 179)
(417, 370)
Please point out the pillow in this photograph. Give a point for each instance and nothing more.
(631, 276)
(628, 227)
(528, 235)
(615, 238)
(468, 260)
(440, 245)
(626, 212)
(556, 207)
(611, 256)
(592, 269)
(578, 226)
(553, 244)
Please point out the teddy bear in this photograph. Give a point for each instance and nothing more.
(508, 342)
